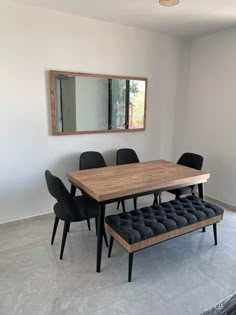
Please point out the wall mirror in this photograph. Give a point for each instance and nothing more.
(92, 103)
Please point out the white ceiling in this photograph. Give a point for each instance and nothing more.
(189, 18)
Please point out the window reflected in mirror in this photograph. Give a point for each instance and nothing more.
(83, 103)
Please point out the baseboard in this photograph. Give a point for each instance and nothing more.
(221, 203)
(34, 217)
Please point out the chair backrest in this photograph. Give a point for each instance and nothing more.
(126, 156)
(65, 208)
(56, 188)
(91, 159)
(191, 160)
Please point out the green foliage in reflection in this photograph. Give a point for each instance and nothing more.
(136, 103)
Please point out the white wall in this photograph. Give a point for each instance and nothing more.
(206, 117)
(35, 40)
(91, 103)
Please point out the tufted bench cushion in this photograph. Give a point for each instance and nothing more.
(145, 223)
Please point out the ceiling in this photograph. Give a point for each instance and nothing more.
(189, 18)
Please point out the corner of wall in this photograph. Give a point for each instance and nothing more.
(182, 78)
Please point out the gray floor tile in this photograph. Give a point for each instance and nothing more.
(183, 276)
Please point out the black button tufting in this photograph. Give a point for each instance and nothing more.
(138, 225)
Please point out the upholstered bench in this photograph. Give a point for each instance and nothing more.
(138, 229)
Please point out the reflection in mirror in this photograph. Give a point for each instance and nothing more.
(83, 103)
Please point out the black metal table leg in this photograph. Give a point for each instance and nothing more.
(72, 190)
(201, 195)
(100, 235)
(201, 191)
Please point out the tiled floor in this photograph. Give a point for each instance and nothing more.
(183, 276)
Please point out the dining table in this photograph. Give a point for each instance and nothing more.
(110, 184)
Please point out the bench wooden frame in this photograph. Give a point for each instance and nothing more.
(132, 248)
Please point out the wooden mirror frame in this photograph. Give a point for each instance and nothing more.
(52, 73)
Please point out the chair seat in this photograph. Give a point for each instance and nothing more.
(87, 205)
(139, 225)
(81, 208)
(182, 191)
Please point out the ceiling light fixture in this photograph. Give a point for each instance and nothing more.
(169, 3)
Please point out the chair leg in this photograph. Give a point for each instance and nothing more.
(159, 197)
(105, 238)
(88, 222)
(72, 190)
(155, 201)
(65, 230)
(215, 232)
(130, 266)
(123, 205)
(54, 229)
(118, 205)
(110, 246)
(135, 203)
(203, 229)
(96, 225)
(177, 196)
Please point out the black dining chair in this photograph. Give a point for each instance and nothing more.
(89, 160)
(192, 160)
(68, 208)
(129, 156)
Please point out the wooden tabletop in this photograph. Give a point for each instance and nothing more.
(112, 182)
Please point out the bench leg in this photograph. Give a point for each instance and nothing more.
(110, 246)
(215, 233)
(135, 203)
(130, 266)
(204, 229)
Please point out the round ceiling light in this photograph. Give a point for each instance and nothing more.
(169, 3)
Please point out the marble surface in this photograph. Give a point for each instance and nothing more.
(184, 276)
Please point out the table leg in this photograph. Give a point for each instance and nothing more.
(201, 195)
(72, 190)
(100, 235)
(201, 191)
